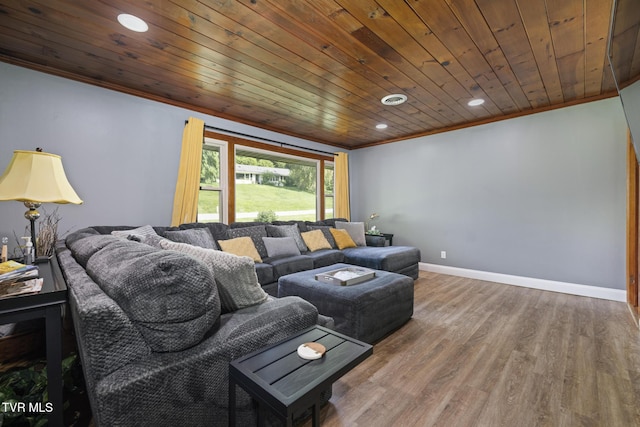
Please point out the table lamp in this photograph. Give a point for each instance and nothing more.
(35, 177)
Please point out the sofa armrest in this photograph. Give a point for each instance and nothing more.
(106, 338)
(188, 382)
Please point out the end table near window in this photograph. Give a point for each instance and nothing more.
(379, 239)
(47, 303)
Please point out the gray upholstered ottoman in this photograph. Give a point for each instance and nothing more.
(366, 311)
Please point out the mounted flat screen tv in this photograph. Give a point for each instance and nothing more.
(624, 57)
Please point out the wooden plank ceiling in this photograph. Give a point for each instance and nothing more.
(317, 69)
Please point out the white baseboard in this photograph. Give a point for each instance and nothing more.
(529, 282)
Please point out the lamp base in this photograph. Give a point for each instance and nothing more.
(32, 215)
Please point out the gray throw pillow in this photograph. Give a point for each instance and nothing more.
(152, 240)
(355, 230)
(170, 297)
(291, 230)
(84, 248)
(256, 233)
(281, 246)
(235, 276)
(194, 236)
(145, 230)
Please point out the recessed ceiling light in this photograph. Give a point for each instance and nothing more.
(475, 102)
(394, 99)
(133, 23)
(381, 126)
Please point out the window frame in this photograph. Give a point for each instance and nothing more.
(324, 195)
(223, 148)
(229, 189)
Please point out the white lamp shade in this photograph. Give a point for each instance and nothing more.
(34, 176)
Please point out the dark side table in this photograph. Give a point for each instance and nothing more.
(47, 303)
(278, 379)
(383, 237)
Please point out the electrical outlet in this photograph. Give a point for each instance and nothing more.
(443, 254)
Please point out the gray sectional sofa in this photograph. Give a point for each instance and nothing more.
(154, 338)
(156, 329)
(395, 259)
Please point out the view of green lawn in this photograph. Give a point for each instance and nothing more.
(259, 198)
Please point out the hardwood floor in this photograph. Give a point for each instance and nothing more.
(477, 353)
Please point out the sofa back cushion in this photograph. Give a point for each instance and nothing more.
(193, 236)
(136, 233)
(218, 230)
(84, 248)
(170, 297)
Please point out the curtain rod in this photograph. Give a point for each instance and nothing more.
(266, 140)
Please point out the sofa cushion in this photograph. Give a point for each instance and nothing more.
(315, 240)
(342, 238)
(151, 240)
(302, 226)
(241, 246)
(388, 258)
(145, 230)
(235, 276)
(325, 257)
(290, 230)
(256, 233)
(280, 246)
(194, 236)
(288, 265)
(170, 297)
(355, 230)
(264, 273)
(83, 248)
(331, 222)
(218, 230)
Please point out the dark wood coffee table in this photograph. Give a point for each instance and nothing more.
(280, 380)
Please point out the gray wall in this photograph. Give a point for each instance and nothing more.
(120, 152)
(539, 196)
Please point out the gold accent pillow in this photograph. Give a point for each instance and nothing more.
(315, 240)
(241, 246)
(342, 238)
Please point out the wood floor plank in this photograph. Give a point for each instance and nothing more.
(478, 353)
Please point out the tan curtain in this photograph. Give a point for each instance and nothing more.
(185, 201)
(341, 186)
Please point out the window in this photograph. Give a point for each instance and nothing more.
(267, 182)
(213, 176)
(274, 186)
(328, 190)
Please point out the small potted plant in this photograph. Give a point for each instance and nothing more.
(372, 229)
